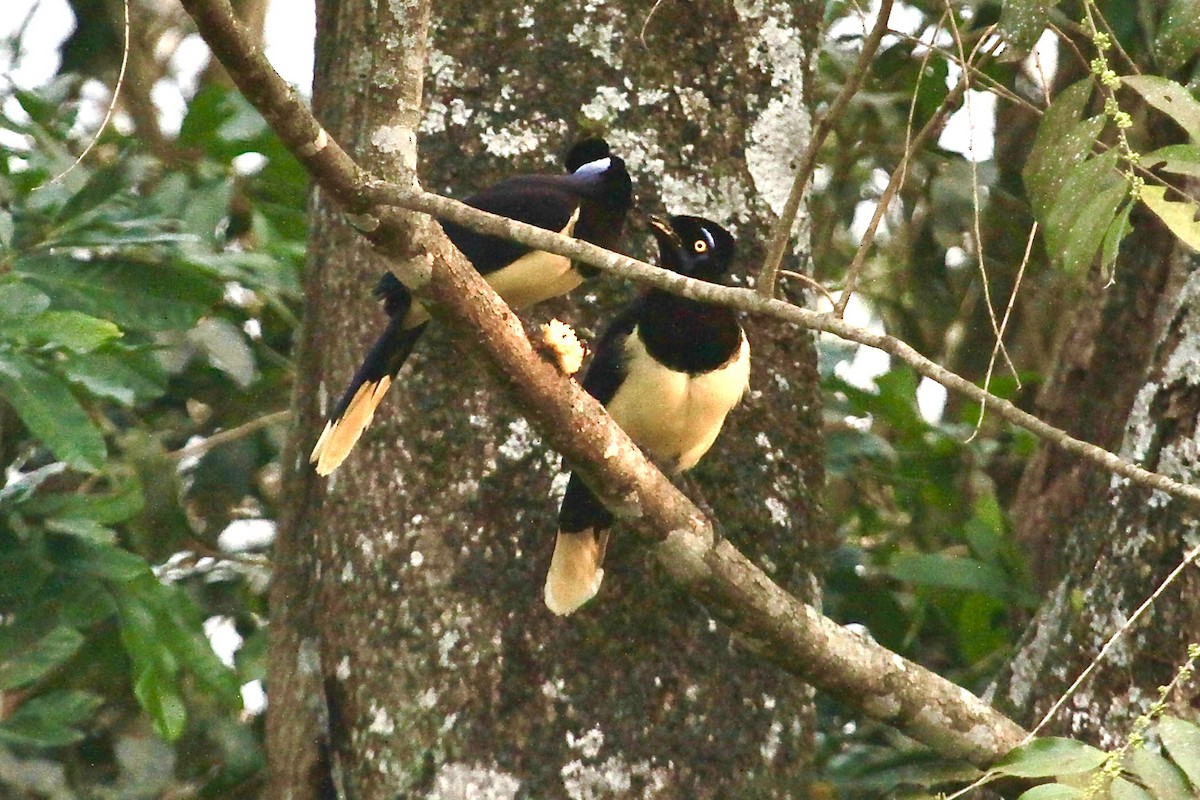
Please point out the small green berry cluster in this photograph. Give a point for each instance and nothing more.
(1109, 82)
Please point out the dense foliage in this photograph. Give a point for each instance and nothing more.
(149, 297)
(140, 311)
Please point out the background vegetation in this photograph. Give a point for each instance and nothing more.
(150, 304)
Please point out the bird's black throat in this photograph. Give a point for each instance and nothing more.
(687, 336)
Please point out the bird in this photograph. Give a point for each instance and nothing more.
(668, 370)
(591, 201)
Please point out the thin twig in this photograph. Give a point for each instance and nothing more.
(1012, 301)
(1112, 640)
(1082, 31)
(912, 111)
(646, 24)
(993, 85)
(782, 234)
(885, 199)
(981, 258)
(112, 103)
(811, 281)
(227, 436)
(1069, 42)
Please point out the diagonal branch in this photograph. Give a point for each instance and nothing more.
(337, 174)
(748, 300)
(783, 630)
(782, 234)
(932, 126)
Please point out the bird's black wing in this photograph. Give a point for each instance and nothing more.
(608, 368)
(547, 201)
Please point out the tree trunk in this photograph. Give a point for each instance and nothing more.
(1118, 541)
(412, 654)
(1099, 369)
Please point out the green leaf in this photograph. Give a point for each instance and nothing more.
(22, 574)
(979, 625)
(134, 296)
(1045, 758)
(83, 528)
(49, 652)
(87, 233)
(984, 531)
(1110, 248)
(1122, 789)
(1164, 780)
(49, 720)
(847, 448)
(106, 561)
(255, 270)
(20, 301)
(122, 502)
(226, 349)
(1170, 98)
(1180, 217)
(101, 185)
(950, 572)
(1085, 206)
(72, 330)
(126, 376)
(181, 629)
(1062, 144)
(157, 694)
(1052, 791)
(1178, 159)
(6, 228)
(1095, 222)
(1178, 35)
(251, 657)
(45, 404)
(1023, 21)
(1182, 740)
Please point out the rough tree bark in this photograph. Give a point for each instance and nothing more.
(1115, 541)
(428, 652)
(319, 723)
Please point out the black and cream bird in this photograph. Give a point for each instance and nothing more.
(668, 370)
(589, 202)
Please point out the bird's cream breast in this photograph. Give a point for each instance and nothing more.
(673, 415)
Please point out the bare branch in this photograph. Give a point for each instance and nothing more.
(337, 174)
(112, 103)
(227, 436)
(748, 300)
(933, 125)
(808, 162)
(854, 668)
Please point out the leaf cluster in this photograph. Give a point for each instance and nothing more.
(144, 306)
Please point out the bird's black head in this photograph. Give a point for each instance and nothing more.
(694, 246)
(593, 161)
(585, 151)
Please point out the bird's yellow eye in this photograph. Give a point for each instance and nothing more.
(700, 245)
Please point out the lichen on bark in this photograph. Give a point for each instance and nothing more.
(440, 666)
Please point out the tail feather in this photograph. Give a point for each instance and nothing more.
(356, 409)
(574, 576)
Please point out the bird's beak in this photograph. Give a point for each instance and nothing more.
(661, 226)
